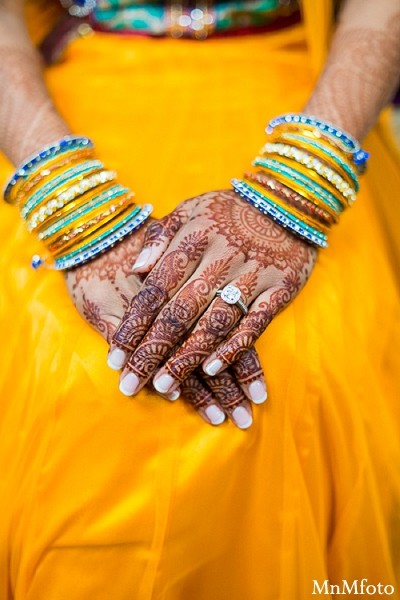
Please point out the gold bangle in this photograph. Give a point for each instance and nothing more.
(290, 183)
(86, 228)
(295, 212)
(319, 154)
(87, 239)
(50, 168)
(315, 177)
(67, 194)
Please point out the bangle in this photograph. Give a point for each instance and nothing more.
(67, 195)
(111, 193)
(290, 196)
(50, 167)
(291, 223)
(84, 231)
(69, 142)
(286, 209)
(315, 166)
(62, 181)
(339, 137)
(324, 152)
(105, 244)
(295, 175)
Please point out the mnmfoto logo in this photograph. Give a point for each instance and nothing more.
(361, 587)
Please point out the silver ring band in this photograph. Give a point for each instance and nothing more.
(232, 295)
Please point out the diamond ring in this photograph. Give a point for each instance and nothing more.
(232, 295)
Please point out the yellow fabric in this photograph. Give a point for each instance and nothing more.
(108, 498)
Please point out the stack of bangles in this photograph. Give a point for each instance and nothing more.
(305, 176)
(72, 203)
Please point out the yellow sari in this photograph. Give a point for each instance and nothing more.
(109, 498)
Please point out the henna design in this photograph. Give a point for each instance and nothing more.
(165, 229)
(107, 266)
(158, 288)
(210, 330)
(196, 393)
(253, 325)
(226, 391)
(91, 312)
(360, 76)
(247, 368)
(174, 321)
(256, 236)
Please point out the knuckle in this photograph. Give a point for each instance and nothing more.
(150, 299)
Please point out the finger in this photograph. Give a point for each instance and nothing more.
(261, 313)
(198, 395)
(231, 399)
(159, 236)
(217, 321)
(249, 374)
(173, 270)
(171, 325)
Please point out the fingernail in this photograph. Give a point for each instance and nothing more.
(116, 359)
(215, 414)
(258, 392)
(164, 383)
(129, 384)
(242, 417)
(214, 367)
(173, 395)
(142, 259)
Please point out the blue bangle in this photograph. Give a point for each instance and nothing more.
(285, 220)
(350, 144)
(314, 188)
(52, 186)
(66, 144)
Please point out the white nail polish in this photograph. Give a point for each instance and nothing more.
(164, 383)
(242, 417)
(257, 392)
(129, 384)
(215, 414)
(142, 259)
(174, 395)
(214, 367)
(116, 359)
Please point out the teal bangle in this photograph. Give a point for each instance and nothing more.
(310, 185)
(114, 192)
(331, 153)
(52, 186)
(67, 257)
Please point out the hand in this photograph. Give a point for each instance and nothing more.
(101, 291)
(206, 243)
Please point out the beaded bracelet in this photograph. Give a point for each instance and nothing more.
(347, 142)
(68, 143)
(305, 159)
(325, 153)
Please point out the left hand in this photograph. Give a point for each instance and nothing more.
(206, 243)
